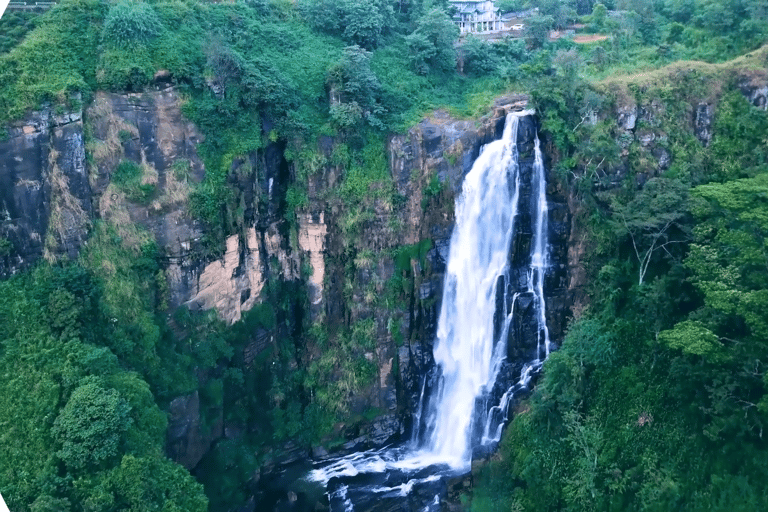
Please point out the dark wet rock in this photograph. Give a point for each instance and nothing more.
(663, 157)
(702, 126)
(45, 195)
(384, 430)
(260, 341)
(447, 145)
(319, 453)
(426, 291)
(646, 138)
(188, 438)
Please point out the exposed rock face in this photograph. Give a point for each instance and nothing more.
(702, 126)
(228, 286)
(428, 165)
(312, 235)
(148, 129)
(755, 89)
(49, 197)
(188, 437)
(445, 147)
(627, 117)
(645, 119)
(45, 197)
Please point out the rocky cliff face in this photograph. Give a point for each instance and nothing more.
(51, 194)
(645, 122)
(148, 130)
(45, 196)
(653, 126)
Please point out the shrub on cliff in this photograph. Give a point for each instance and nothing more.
(130, 23)
(360, 22)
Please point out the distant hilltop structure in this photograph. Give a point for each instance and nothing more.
(482, 16)
(477, 16)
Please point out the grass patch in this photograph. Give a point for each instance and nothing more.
(670, 75)
(139, 182)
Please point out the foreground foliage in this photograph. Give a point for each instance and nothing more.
(80, 429)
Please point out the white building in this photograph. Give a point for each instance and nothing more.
(477, 16)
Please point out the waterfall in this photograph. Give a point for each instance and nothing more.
(466, 353)
(498, 415)
(454, 414)
(540, 254)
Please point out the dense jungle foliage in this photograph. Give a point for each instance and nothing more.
(656, 399)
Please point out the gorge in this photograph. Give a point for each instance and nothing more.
(267, 256)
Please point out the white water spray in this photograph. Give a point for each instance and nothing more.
(479, 255)
(539, 258)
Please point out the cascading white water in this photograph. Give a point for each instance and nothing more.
(468, 353)
(497, 415)
(540, 253)
(479, 255)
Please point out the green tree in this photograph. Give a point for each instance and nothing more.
(479, 57)
(142, 483)
(225, 64)
(91, 427)
(568, 63)
(367, 21)
(46, 503)
(599, 57)
(354, 89)
(510, 5)
(582, 6)
(729, 257)
(561, 12)
(693, 338)
(680, 10)
(653, 219)
(718, 15)
(642, 18)
(537, 29)
(431, 45)
(360, 22)
(675, 32)
(599, 13)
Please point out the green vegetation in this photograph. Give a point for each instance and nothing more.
(138, 184)
(5, 247)
(129, 24)
(14, 25)
(80, 429)
(657, 399)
